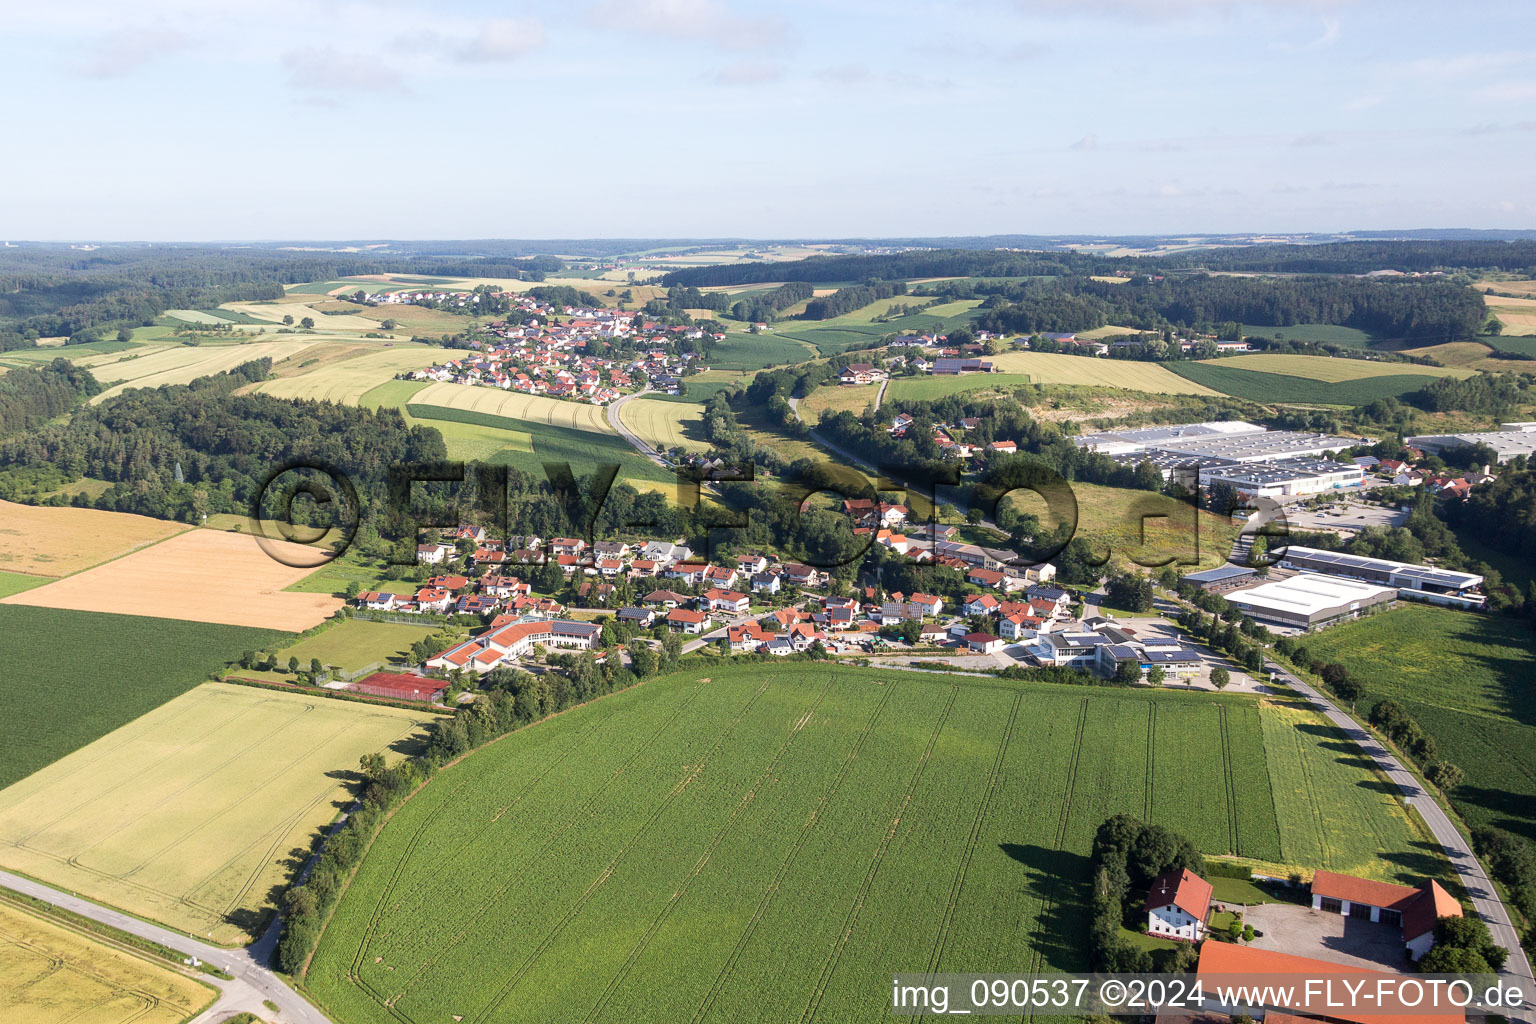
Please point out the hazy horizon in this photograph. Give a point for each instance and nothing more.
(391, 119)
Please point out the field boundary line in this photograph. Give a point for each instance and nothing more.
(1146, 814)
(772, 888)
(746, 801)
(1231, 784)
(607, 872)
(1048, 901)
(850, 921)
(946, 920)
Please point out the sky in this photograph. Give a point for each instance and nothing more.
(374, 119)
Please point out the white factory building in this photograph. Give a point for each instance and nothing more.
(1308, 600)
(1285, 479)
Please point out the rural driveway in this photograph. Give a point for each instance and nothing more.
(1485, 898)
(634, 440)
(253, 982)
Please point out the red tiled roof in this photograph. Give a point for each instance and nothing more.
(1245, 962)
(1421, 907)
(1183, 889)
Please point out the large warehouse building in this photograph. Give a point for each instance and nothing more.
(1420, 582)
(1308, 600)
(1514, 439)
(1286, 479)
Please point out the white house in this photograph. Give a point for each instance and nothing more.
(432, 554)
(1177, 906)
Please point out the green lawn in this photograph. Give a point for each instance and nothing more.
(1237, 890)
(1327, 334)
(1258, 386)
(761, 843)
(1470, 681)
(929, 387)
(16, 582)
(350, 645)
(67, 678)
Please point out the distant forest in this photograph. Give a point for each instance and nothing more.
(59, 291)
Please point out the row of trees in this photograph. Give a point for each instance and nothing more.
(1127, 855)
(846, 300)
(763, 308)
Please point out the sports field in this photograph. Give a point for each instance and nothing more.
(189, 815)
(52, 975)
(70, 678)
(1329, 368)
(51, 541)
(1260, 386)
(1133, 375)
(347, 380)
(198, 576)
(666, 424)
(770, 844)
(1467, 679)
(531, 408)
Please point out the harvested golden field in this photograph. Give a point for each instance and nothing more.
(532, 408)
(180, 364)
(662, 424)
(59, 541)
(1512, 287)
(346, 380)
(1328, 368)
(189, 814)
(200, 576)
(1055, 368)
(50, 974)
(275, 312)
(833, 398)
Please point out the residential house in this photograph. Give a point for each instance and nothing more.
(682, 620)
(642, 617)
(1178, 904)
(432, 554)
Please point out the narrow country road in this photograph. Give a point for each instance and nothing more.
(1485, 898)
(617, 423)
(253, 983)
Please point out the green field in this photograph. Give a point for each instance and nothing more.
(48, 353)
(1327, 334)
(1518, 345)
(1259, 386)
(769, 844)
(854, 330)
(742, 351)
(16, 582)
(351, 644)
(69, 678)
(583, 449)
(393, 394)
(1468, 680)
(930, 387)
(189, 815)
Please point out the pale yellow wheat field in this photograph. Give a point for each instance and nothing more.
(662, 423)
(532, 408)
(189, 814)
(52, 975)
(1056, 368)
(1328, 368)
(346, 380)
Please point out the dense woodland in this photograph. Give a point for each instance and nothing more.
(846, 300)
(33, 396)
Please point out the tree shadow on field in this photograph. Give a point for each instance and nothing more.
(1061, 882)
(1423, 860)
(1380, 786)
(254, 922)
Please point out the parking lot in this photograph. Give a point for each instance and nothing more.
(1345, 516)
(1303, 931)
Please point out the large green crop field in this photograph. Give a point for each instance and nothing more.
(546, 442)
(1328, 334)
(1517, 345)
(68, 678)
(1259, 386)
(767, 843)
(1470, 681)
(189, 814)
(740, 351)
(931, 387)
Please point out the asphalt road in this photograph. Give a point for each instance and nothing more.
(1485, 898)
(253, 982)
(629, 435)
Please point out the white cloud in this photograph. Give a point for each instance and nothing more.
(749, 73)
(329, 71)
(694, 20)
(503, 39)
(127, 49)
